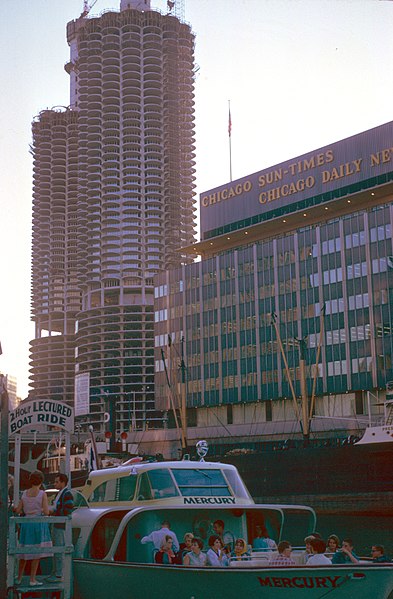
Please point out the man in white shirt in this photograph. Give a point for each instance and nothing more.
(318, 557)
(157, 536)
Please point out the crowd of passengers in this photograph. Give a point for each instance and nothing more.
(224, 548)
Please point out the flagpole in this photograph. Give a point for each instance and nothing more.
(230, 139)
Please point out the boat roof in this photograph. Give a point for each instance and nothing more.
(139, 467)
(88, 516)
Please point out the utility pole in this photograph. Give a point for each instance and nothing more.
(3, 486)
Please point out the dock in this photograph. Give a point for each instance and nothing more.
(48, 590)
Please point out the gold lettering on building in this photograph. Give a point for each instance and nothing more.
(286, 190)
(227, 193)
(306, 164)
(381, 157)
(343, 170)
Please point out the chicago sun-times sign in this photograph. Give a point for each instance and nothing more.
(346, 162)
(40, 413)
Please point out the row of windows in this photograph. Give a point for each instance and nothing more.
(334, 368)
(163, 340)
(161, 315)
(353, 240)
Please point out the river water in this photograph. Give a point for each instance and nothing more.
(365, 531)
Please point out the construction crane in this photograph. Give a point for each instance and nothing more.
(87, 6)
(176, 8)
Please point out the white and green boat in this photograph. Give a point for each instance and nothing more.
(130, 501)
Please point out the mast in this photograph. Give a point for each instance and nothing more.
(303, 388)
(307, 405)
(180, 429)
(295, 405)
(314, 382)
(183, 390)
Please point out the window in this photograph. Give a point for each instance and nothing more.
(202, 482)
(357, 270)
(381, 232)
(268, 410)
(379, 265)
(358, 301)
(116, 489)
(162, 484)
(337, 368)
(103, 534)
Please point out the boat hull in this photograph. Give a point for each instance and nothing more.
(100, 579)
(361, 470)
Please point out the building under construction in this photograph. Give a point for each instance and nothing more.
(113, 202)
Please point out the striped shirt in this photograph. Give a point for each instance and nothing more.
(281, 560)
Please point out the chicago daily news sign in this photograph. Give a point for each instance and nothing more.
(34, 414)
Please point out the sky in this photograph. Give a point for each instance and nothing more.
(299, 74)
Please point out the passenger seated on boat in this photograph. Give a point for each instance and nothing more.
(333, 543)
(284, 555)
(227, 537)
(166, 555)
(216, 557)
(262, 541)
(346, 554)
(308, 551)
(240, 552)
(318, 557)
(157, 536)
(378, 554)
(195, 557)
(185, 547)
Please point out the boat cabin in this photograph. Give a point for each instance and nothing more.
(172, 483)
(115, 534)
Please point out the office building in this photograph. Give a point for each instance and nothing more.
(299, 248)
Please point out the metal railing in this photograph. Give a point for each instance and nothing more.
(14, 550)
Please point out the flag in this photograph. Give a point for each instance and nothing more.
(229, 122)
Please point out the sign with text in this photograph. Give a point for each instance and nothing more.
(33, 415)
(82, 394)
(351, 161)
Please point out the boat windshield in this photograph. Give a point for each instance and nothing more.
(201, 481)
(115, 489)
(156, 484)
(238, 487)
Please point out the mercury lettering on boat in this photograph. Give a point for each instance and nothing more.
(209, 500)
(301, 582)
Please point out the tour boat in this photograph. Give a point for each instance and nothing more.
(129, 502)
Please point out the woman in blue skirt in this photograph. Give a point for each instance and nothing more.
(33, 502)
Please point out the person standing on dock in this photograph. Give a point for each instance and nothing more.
(33, 534)
(63, 505)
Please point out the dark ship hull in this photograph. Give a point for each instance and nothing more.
(349, 478)
(33, 457)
